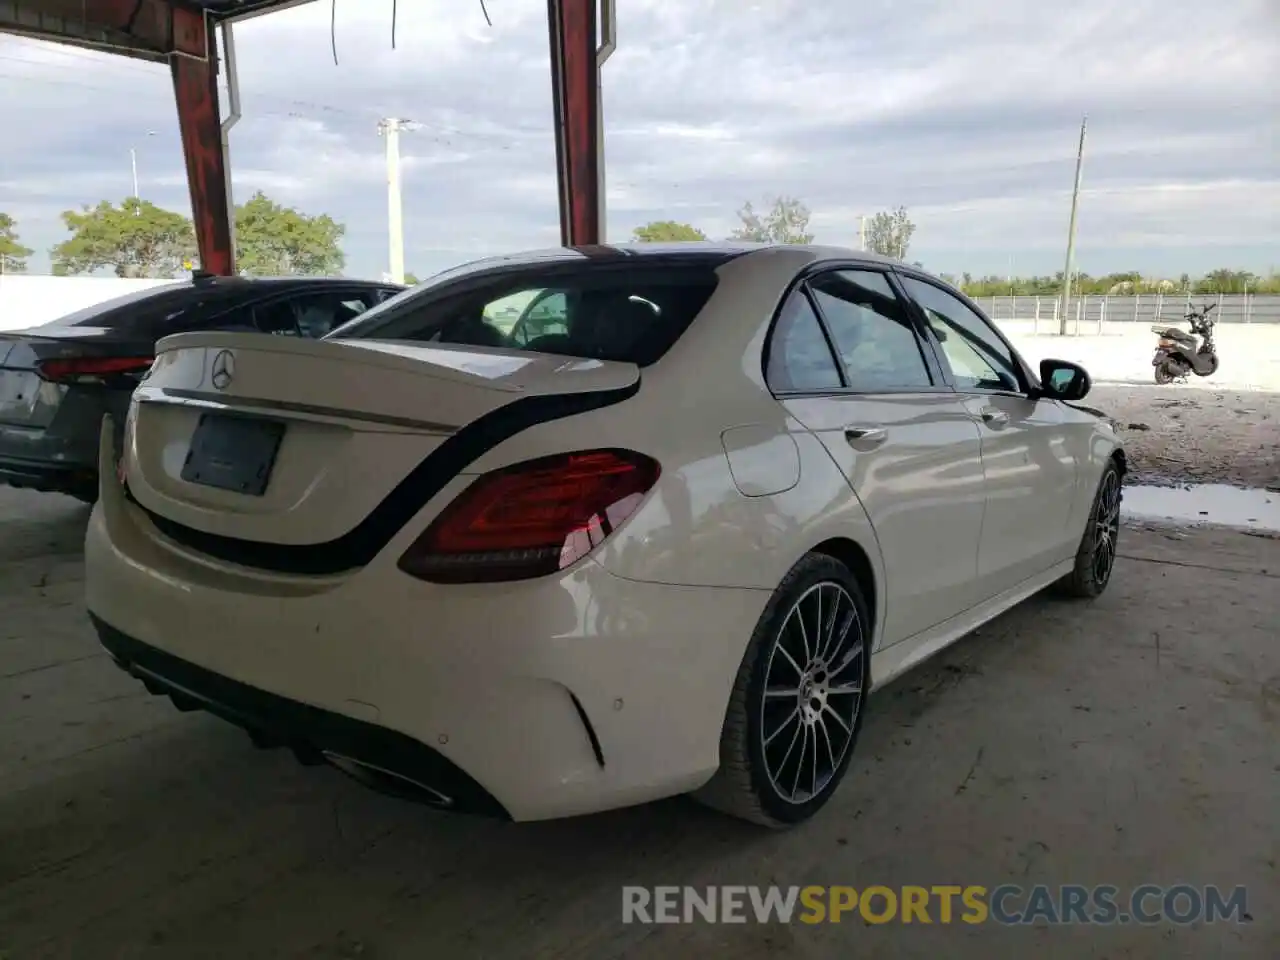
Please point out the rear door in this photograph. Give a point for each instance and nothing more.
(1030, 450)
(903, 438)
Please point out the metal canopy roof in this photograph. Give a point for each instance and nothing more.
(143, 29)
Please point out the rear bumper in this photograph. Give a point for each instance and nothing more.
(385, 759)
(49, 476)
(62, 456)
(555, 697)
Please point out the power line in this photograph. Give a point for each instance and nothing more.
(307, 110)
(130, 68)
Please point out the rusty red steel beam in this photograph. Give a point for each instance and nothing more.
(575, 89)
(148, 26)
(181, 32)
(195, 88)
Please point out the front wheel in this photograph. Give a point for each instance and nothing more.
(1213, 366)
(1096, 555)
(796, 707)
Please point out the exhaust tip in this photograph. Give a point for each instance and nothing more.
(387, 782)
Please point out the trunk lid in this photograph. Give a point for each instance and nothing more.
(324, 429)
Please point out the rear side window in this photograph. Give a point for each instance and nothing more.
(627, 312)
(276, 317)
(799, 357)
(320, 313)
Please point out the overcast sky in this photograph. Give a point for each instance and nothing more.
(965, 112)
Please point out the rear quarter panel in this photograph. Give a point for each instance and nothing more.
(697, 528)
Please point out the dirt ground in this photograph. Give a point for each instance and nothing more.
(1201, 435)
(1135, 739)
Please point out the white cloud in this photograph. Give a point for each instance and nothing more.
(967, 113)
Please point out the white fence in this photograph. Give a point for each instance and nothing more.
(1088, 314)
(28, 301)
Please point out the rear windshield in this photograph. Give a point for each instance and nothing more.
(629, 311)
(156, 311)
(148, 301)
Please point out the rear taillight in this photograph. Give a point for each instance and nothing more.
(93, 369)
(531, 519)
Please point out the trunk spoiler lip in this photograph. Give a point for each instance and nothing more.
(587, 372)
(360, 545)
(252, 405)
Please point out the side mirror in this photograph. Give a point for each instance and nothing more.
(1063, 380)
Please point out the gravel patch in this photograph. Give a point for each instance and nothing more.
(1177, 434)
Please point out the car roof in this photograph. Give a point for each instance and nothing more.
(203, 293)
(704, 249)
(713, 253)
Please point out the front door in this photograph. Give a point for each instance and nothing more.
(905, 441)
(1028, 449)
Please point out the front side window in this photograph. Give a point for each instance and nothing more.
(628, 313)
(978, 358)
(546, 316)
(872, 331)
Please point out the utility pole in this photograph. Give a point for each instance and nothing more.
(390, 128)
(133, 163)
(1071, 235)
(862, 233)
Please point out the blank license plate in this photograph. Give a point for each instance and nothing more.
(233, 453)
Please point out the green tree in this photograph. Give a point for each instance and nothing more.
(786, 222)
(135, 239)
(889, 233)
(275, 241)
(13, 255)
(666, 231)
(1224, 280)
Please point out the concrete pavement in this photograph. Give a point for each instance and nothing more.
(1134, 739)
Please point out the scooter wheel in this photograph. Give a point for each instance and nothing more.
(1164, 374)
(1213, 366)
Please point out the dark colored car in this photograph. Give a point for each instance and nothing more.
(58, 379)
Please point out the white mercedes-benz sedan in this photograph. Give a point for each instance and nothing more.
(570, 530)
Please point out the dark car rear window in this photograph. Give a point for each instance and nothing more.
(627, 311)
(151, 301)
(156, 311)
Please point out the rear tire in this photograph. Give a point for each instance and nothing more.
(797, 704)
(1096, 556)
(1163, 374)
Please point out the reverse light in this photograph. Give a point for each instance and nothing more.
(531, 519)
(92, 369)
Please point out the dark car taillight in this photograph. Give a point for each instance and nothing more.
(531, 519)
(93, 369)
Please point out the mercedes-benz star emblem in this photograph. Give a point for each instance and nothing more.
(224, 369)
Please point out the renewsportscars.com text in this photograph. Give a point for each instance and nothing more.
(940, 904)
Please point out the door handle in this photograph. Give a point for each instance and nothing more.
(994, 417)
(865, 437)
